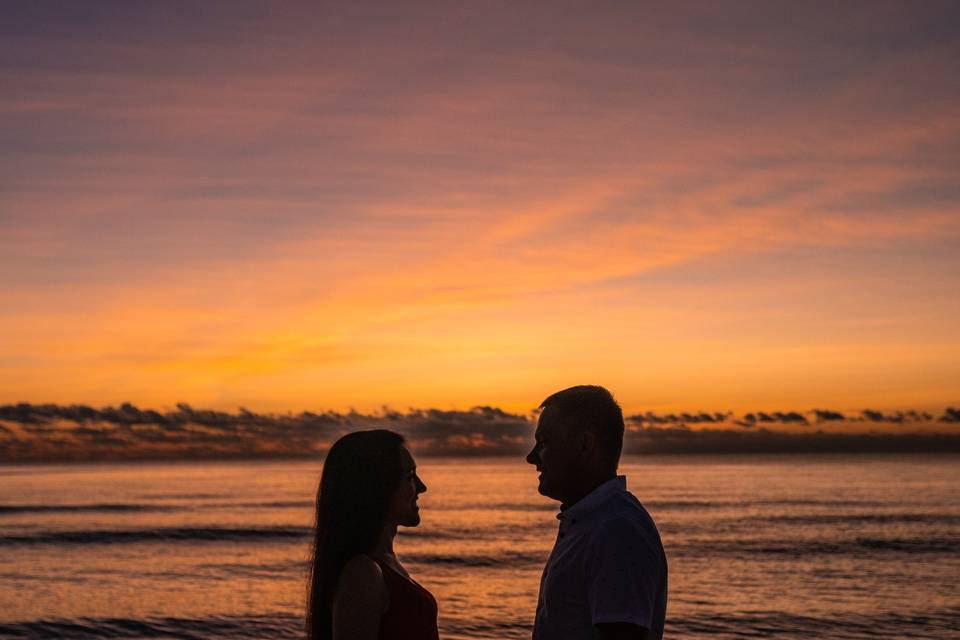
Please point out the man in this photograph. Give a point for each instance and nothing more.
(607, 574)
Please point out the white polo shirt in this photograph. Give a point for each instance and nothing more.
(607, 565)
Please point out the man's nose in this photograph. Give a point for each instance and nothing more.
(532, 456)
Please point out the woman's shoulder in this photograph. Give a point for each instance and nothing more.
(362, 575)
(362, 568)
(362, 562)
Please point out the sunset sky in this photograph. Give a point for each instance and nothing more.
(285, 206)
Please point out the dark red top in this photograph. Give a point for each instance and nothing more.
(412, 613)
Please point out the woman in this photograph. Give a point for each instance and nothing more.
(358, 589)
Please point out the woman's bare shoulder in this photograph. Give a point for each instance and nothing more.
(360, 600)
(362, 568)
(362, 577)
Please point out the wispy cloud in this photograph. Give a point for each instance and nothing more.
(242, 206)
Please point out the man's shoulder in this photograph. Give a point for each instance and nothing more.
(625, 519)
(625, 508)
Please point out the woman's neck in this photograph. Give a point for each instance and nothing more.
(384, 546)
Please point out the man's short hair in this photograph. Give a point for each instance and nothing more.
(591, 408)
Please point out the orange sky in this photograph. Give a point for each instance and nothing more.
(716, 206)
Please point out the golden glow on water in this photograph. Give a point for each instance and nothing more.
(751, 542)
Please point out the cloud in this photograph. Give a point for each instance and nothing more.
(52, 433)
(682, 418)
(790, 417)
(899, 417)
(212, 163)
(825, 415)
(748, 419)
(77, 432)
(672, 441)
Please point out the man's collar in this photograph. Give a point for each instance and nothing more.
(595, 498)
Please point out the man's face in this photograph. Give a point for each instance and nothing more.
(556, 455)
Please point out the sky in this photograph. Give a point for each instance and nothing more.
(704, 206)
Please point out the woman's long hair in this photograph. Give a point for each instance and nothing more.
(360, 474)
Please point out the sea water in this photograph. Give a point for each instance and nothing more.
(786, 547)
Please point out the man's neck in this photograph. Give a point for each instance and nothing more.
(586, 488)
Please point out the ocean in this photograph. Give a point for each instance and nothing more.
(787, 547)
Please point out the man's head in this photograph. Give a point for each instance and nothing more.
(578, 441)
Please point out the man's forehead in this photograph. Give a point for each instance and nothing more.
(548, 422)
(406, 459)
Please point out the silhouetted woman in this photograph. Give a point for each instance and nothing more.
(358, 590)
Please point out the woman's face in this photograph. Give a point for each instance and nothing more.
(403, 510)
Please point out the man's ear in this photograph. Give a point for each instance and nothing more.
(588, 441)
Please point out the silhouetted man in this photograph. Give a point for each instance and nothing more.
(607, 574)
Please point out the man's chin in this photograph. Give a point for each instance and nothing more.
(544, 489)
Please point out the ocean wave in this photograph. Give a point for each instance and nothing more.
(13, 509)
(171, 534)
(655, 505)
(548, 507)
(202, 534)
(180, 496)
(911, 545)
(276, 504)
(861, 518)
(270, 504)
(726, 504)
(275, 625)
(10, 509)
(427, 533)
(931, 625)
(513, 559)
(257, 570)
(805, 548)
(817, 502)
(927, 624)
(658, 505)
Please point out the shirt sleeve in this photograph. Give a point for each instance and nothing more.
(623, 575)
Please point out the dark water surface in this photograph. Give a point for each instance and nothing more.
(786, 547)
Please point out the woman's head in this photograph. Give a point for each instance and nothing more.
(368, 482)
(360, 474)
(402, 507)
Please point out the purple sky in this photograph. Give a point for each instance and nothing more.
(709, 205)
